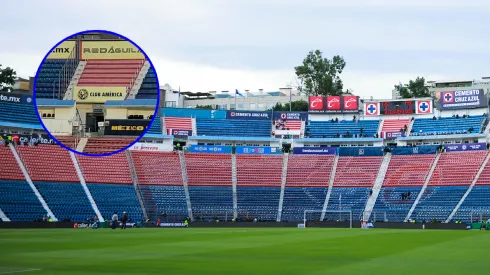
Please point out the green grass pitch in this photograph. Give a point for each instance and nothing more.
(243, 251)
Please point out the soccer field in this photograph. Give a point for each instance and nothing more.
(243, 251)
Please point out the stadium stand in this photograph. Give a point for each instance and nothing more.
(437, 202)
(209, 202)
(179, 123)
(69, 141)
(231, 127)
(257, 170)
(109, 169)
(446, 125)
(149, 86)
(208, 169)
(457, 168)
(344, 198)
(258, 202)
(476, 203)
(307, 170)
(392, 202)
(394, 125)
(118, 198)
(408, 170)
(329, 129)
(48, 77)
(68, 201)
(18, 113)
(110, 72)
(18, 201)
(100, 145)
(167, 201)
(357, 171)
(156, 126)
(297, 200)
(10, 169)
(157, 168)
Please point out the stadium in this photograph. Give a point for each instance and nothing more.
(95, 87)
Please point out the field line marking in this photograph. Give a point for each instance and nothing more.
(21, 271)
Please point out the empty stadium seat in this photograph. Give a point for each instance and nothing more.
(118, 198)
(110, 73)
(157, 168)
(446, 125)
(18, 201)
(407, 170)
(234, 128)
(347, 199)
(149, 87)
(18, 113)
(208, 169)
(357, 171)
(258, 202)
(308, 170)
(101, 145)
(391, 203)
(10, 169)
(169, 200)
(476, 203)
(68, 141)
(108, 169)
(211, 201)
(68, 201)
(259, 170)
(458, 168)
(47, 83)
(328, 129)
(437, 202)
(297, 200)
(156, 126)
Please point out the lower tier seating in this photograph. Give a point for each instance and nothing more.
(391, 202)
(118, 198)
(347, 199)
(67, 201)
(438, 202)
(258, 202)
(476, 203)
(297, 200)
(166, 201)
(18, 201)
(209, 202)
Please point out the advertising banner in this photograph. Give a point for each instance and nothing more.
(28, 139)
(98, 94)
(210, 149)
(172, 224)
(15, 98)
(360, 151)
(315, 150)
(109, 50)
(64, 50)
(425, 149)
(393, 134)
(178, 132)
(463, 99)
(248, 115)
(257, 150)
(333, 104)
(125, 127)
(290, 116)
(152, 147)
(465, 147)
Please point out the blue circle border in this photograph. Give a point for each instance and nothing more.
(157, 109)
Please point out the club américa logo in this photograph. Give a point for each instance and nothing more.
(82, 94)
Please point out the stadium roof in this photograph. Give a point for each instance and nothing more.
(460, 136)
(218, 138)
(21, 125)
(131, 103)
(48, 102)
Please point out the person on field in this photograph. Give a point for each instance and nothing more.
(95, 225)
(124, 220)
(114, 221)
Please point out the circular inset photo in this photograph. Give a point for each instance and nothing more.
(96, 93)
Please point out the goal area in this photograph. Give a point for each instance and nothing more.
(343, 215)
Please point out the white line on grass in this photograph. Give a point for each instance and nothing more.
(21, 271)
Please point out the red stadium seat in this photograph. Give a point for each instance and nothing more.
(408, 170)
(157, 168)
(307, 170)
(457, 168)
(109, 169)
(259, 170)
(208, 169)
(357, 171)
(9, 168)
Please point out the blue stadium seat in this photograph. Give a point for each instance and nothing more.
(390, 202)
(18, 113)
(446, 125)
(48, 78)
(235, 128)
(149, 87)
(258, 202)
(438, 202)
(118, 198)
(162, 199)
(477, 202)
(329, 129)
(353, 199)
(18, 201)
(156, 126)
(297, 200)
(68, 201)
(211, 201)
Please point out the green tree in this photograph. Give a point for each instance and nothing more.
(296, 106)
(416, 88)
(321, 76)
(7, 79)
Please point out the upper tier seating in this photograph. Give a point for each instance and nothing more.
(459, 168)
(157, 168)
(110, 72)
(49, 76)
(108, 169)
(10, 169)
(394, 125)
(18, 113)
(118, 198)
(289, 124)
(328, 129)
(357, 171)
(476, 203)
(408, 170)
(307, 170)
(347, 199)
(68, 201)
(101, 145)
(259, 170)
(48, 163)
(156, 126)
(446, 125)
(18, 201)
(258, 202)
(178, 123)
(391, 203)
(297, 200)
(208, 169)
(211, 201)
(233, 127)
(169, 200)
(149, 87)
(438, 202)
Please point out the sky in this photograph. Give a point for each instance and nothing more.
(215, 45)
